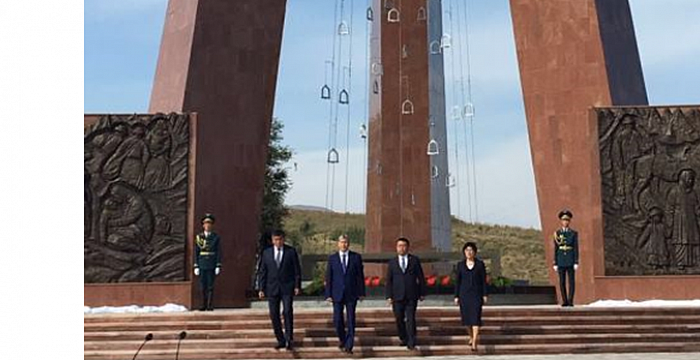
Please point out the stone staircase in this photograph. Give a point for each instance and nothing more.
(247, 334)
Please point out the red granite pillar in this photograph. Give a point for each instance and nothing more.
(573, 55)
(398, 196)
(219, 58)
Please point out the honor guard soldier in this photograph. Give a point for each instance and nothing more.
(207, 261)
(566, 257)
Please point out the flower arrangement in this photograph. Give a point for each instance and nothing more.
(446, 280)
(436, 284)
(373, 281)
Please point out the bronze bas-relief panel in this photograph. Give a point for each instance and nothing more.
(649, 164)
(136, 183)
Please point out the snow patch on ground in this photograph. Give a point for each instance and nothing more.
(646, 303)
(167, 308)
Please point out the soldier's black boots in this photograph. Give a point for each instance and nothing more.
(210, 300)
(203, 307)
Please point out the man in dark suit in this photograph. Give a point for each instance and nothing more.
(207, 261)
(279, 281)
(345, 284)
(405, 286)
(566, 257)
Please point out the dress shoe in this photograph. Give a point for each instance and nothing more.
(402, 344)
(290, 346)
(279, 346)
(411, 347)
(348, 351)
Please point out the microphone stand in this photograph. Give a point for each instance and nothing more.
(181, 336)
(148, 338)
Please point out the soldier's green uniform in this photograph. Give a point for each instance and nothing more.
(207, 258)
(566, 258)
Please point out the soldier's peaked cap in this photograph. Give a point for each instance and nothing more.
(565, 214)
(208, 217)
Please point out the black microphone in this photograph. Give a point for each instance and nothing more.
(182, 335)
(148, 338)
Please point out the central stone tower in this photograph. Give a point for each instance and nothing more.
(407, 169)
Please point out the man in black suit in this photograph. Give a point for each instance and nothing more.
(345, 284)
(279, 281)
(405, 286)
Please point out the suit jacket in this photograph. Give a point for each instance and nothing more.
(405, 286)
(207, 254)
(280, 281)
(470, 281)
(348, 285)
(565, 248)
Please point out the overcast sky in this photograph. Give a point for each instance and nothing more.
(121, 49)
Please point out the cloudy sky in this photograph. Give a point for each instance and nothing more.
(121, 49)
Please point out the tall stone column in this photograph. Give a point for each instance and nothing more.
(219, 58)
(407, 188)
(574, 55)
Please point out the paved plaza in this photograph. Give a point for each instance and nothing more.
(635, 356)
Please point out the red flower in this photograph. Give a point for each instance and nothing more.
(375, 281)
(445, 281)
(431, 280)
(368, 280)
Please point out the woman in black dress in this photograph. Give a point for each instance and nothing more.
(470, 291)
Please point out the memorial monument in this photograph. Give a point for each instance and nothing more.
(626, 170)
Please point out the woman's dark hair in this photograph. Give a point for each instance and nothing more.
(471, 245)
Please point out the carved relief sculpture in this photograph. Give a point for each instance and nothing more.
(649, 161)
(136, 198)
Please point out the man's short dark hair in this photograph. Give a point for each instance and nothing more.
(279, 233)
(404, 240)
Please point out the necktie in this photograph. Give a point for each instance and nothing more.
(403, 263)
(345, 264)
(278, 258)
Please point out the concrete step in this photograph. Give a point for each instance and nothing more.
(394, 351)
(390, 330)
(363, 321)
(330, 342)
(237, 334)
(300, 314)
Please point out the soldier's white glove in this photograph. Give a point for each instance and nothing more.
(196, 271)
(575, 266)
(217, 270)
(556, 268)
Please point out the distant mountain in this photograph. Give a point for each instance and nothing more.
(308, 208)
(522, 250)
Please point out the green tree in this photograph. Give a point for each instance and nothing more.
(355, 233)
(277, 181)
(297, 237)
